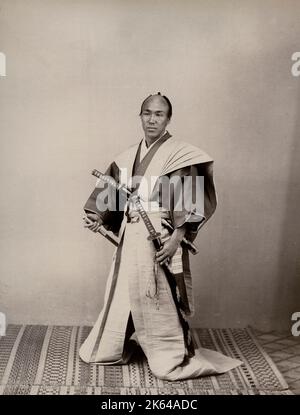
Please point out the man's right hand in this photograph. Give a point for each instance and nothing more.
(92, 222)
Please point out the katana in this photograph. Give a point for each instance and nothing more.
(128, 193)
(155, 238)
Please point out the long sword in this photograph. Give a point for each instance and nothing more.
(155, 237)
(107, 179)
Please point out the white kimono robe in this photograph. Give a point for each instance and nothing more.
(129, 315)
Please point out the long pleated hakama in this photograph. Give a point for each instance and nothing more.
(157, 327)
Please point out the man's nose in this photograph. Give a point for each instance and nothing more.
(152, 118)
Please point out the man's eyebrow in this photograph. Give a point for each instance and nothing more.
(147, 110)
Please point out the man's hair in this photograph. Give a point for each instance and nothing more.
(170, 109)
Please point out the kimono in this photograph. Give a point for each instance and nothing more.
(139, 305)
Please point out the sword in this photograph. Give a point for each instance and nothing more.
(155, 238)
(121, 187)
(110, 238)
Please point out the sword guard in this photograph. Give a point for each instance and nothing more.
(155, 236)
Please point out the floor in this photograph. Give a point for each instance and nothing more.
(284, 349)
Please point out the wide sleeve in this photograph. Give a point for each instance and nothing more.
(111, 213)
(191, 197)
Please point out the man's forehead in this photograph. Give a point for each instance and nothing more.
(156, 103)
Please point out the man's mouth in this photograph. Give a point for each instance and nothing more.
(151, 128)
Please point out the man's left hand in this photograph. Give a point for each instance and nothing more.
(167, 251)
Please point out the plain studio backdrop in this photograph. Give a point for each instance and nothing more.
(76, 74)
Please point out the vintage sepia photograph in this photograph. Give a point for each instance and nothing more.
(150, 194)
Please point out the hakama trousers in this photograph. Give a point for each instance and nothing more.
(156, 323)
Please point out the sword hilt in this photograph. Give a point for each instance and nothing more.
(154, 236)
(110, 181)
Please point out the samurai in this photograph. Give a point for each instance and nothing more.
(170, 193)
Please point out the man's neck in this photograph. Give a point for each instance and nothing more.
(149, 142)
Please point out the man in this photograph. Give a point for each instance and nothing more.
(142, 306)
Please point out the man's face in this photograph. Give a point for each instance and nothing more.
(154, 117)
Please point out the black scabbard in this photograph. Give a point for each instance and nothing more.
(172, 284)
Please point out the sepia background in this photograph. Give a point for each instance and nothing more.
(77, 72)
